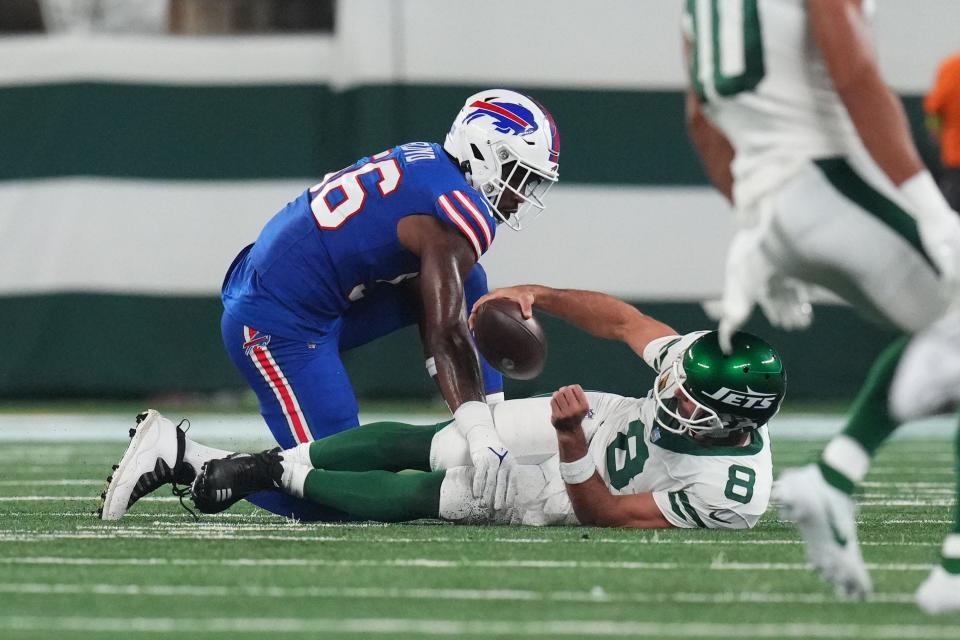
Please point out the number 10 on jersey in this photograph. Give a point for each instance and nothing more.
(726, 46)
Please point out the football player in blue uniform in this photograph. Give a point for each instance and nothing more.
(390, 241)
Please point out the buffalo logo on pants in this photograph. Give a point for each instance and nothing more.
(256, 341)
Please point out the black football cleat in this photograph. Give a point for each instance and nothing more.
(225, 481)
(153, 458)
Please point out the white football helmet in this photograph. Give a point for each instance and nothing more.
(506, 142)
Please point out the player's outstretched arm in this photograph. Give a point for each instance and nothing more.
(591, 499)
(596, 313)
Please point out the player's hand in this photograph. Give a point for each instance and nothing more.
(569, 406)
(786, 303)
(750, 280)
(493, 465)
(746, 274)
(521, 294)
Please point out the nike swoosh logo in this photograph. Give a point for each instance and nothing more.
(838, 537)
(498, 454)
(713, 516)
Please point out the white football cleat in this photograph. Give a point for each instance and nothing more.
(940, 592)
(826, 519)
(153, 458)
(927, 380)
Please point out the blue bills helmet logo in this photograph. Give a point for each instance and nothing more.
(508, 117)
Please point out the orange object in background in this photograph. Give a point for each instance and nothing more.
(943, 102)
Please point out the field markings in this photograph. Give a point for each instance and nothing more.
(69, 482)
(91, 498)
(915, 521)
(866, 503)
(87, 482)
(177, 517)
(180, 513)
(597, 594)
(906, 503)
(243, 533)
(433, 563)
(482, 627)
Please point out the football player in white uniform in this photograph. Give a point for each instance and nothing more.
(695, 452)
(927, 382)
(796, 127)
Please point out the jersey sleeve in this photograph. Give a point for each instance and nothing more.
(468, 213)
(661, 352)
(686, 509)
(727, 494)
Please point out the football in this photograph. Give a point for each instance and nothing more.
(514, 345)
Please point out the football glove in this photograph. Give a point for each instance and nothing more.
(751, 279)
(941, 239)
(492, 462)
(938, 225)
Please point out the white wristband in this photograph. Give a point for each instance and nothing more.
(431, 365)
(578, 471)
(924, 197)
(494, 398)
(471, 415)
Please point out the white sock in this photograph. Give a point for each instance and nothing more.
(294, 477)
(299, 454)
(951, 546)
(195, 454)
(844, 454)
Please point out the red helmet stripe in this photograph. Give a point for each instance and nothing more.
(500, 111)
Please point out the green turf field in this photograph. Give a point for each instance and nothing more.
(157, 572)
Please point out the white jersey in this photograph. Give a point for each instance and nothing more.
(762, 80)
(693, 485)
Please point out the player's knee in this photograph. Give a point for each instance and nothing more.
(457, 503)
(449, 449)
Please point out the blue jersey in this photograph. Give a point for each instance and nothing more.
(338, 240)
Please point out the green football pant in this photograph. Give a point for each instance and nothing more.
(356, 471)
(383, 496)
(870, 422)
(380, 446)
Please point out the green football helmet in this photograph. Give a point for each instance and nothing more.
(707, 392)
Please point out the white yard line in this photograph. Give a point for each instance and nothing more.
(482, 627)
(177, 513)
(907, 493)
(433, 563)
(906, 503)
(865, 503)
(232, 518)
(899, 488)
(91, 498)
(916, 521)
(52, 483)
(191, 531)
(871, 484)
(595, 595)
